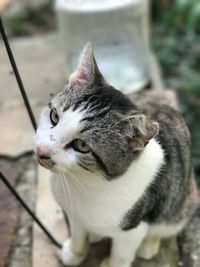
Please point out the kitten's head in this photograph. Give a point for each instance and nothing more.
(91, 126)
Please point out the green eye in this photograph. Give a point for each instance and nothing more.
(80, 146)
(54, 117)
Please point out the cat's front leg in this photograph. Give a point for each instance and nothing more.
(124, 247)
(149, 247)
(75, 248)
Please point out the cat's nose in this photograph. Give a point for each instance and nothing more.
(42, 153)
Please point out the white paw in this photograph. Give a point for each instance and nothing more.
(145, 255)
(105, 263)
(68, 257)
(149, 249)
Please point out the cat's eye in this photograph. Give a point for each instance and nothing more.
(80, 146)
(54, 117)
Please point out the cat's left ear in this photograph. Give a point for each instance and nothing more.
(87, 72)
(139, 130)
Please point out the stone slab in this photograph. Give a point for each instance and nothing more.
(44, 252)
(21, 250)
(10, 210)
(189, 243)
(41, 67)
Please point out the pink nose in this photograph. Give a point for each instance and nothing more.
(42, 153)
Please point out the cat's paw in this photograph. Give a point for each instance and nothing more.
(149, 248)
(68, 257)
(105, 263)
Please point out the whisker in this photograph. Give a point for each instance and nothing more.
(84, 190)
(67, 194)
(70, 195)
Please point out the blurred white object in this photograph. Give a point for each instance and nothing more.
(119, 33)
(4, 4)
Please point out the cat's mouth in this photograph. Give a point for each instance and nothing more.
(46, 163)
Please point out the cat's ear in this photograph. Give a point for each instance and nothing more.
(87, 71)
(139, 130)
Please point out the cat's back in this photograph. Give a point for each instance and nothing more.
(170, 192)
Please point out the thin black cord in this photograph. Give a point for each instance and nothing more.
(6, 182)
(17, 76)
(34, 124)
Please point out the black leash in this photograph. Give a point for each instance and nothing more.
(17, 76)
(34, 124)
(12, 190)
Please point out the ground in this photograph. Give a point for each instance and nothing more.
(15, 223)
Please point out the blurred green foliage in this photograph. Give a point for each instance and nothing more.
(176, 40)
(30, 20)
(179, 13)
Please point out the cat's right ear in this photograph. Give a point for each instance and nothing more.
(87, 72)
(139, 130)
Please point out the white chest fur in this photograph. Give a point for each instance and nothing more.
(100, 204)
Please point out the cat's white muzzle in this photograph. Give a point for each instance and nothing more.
(43, 157)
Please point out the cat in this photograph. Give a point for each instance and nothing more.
(118, 170)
